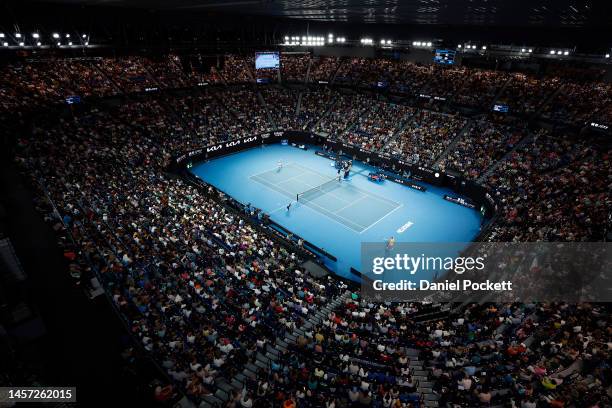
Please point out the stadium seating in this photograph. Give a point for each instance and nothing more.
(228, 312)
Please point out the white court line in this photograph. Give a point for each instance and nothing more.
(339, 216)
(324, 209)
(364, 194)
(381, 218)
(277, 184)
(350, 204)
(269, 170)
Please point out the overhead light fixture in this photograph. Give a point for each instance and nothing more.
(459, 46)
(70, 43)
(552, 52)
(84, 36)
(473, 47)
(36, 35)
(429, 44)
(67, 35)
(566, 53)
(56, 35)
(21, 44)
(484, 47)
(530, 50)
(5, 44)
(522, 50)
(59, 44)
(1, 35)
(607, 55)
(39, 43)
(559, 52)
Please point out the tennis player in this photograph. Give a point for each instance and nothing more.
(390, 243)
(280, 165)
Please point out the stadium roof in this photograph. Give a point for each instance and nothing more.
(535, 13)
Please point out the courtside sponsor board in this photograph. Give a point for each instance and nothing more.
(460, 200)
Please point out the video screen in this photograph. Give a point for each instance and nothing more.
(501, 108)
(267, 60)
(444, 57)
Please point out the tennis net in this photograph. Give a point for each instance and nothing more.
(318, 191)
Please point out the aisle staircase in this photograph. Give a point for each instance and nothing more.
(453, 143)
(307, 78)
(400, 129)
(528, 138)
(263, 103)
(264, 358)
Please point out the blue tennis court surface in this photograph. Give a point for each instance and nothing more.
(339, 215)
(339, 200)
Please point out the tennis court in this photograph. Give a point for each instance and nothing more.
(332, 216)
(340, 201)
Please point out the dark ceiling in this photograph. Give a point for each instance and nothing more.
(508, 13)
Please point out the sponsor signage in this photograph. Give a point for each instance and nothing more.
(461, 201)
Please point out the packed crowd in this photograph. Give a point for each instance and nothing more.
(294, 67)
(200, 288)
(525, 94)
(374, 129)
(323, 69)
(571, 99)
(579, 103)
(424, 137)
(314, 105)
(244, 103)
(208, 293)
(282, 105)
(553, 188)
(346, 110)
(482, 144)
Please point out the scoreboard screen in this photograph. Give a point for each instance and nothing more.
(267, 60)
(501, 108)
(444, 57)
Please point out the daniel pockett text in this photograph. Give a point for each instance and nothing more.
(496, 272)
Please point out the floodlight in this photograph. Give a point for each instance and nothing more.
(56, 35)
(36, 35)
